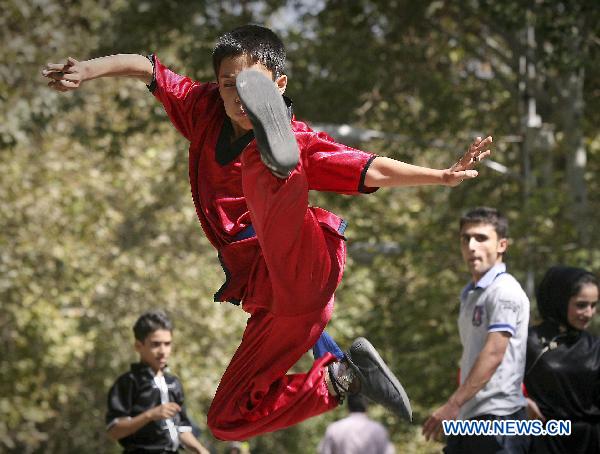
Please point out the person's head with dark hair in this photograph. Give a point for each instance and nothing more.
(486, 215)
(568, 296)
(259, 44)
(483, 239)
(149, 322)
(246, 47)
(357, 403)
(153, 335)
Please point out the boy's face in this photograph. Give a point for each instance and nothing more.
(228, 71)
(481, 248)
(156, 349)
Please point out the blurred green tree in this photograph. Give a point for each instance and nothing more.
(96, 224)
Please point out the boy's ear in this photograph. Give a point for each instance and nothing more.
(281, 83)
(138, 345)
(502, 245)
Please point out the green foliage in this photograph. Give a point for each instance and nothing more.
(97, 225)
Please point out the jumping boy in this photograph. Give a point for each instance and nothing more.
(251, 165)
(145, 405)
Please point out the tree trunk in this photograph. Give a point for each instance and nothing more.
(572, 104)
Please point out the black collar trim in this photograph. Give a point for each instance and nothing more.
(227, 151)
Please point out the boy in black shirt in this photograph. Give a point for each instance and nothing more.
(146, 411)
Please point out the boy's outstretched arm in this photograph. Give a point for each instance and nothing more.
(71, 74)
(386, 172)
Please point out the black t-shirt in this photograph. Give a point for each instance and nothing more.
(135, 392)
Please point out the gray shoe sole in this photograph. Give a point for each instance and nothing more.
(361, 348)
(272, 129)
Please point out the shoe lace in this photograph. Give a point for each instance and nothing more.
(341, 376)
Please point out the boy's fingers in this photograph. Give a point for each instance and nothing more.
(71, 77)
(54, 67)
(57, 68)
(71, 61)
(485, 143)
(55, 85)
(62, 76)
(476, 152)
(484, 155)
(52, 74)
(475, 144)
(62, 85)
(67, 83)
(480, 143)
(467, 174)
(55, 75)
(480, 157)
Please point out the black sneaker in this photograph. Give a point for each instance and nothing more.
(377, 382)
(272, 129)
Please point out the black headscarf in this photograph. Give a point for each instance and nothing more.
(555, 290)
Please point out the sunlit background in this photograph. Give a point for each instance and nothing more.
(97, 223)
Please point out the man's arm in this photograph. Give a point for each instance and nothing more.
(484, 368)
(70, 75)
(123, 427)
(191, 443)
(533, 411)
(386, 172)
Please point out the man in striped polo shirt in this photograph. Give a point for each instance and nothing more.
(493, 322)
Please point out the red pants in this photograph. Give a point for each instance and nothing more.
(290, 299)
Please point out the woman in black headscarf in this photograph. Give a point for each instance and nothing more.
(562, 372)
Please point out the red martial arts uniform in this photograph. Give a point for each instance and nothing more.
(283, 259)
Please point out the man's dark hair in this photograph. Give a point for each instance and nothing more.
(357, 403)
(486, 215)
(259, 43)
(149, 322)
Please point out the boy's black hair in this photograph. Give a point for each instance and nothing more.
(486, 215)
(149, 322)
(259, 43)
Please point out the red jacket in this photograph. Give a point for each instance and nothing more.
(197, 111)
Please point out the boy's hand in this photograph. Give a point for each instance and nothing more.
(164, 411)
(463, 169)
(65, 76)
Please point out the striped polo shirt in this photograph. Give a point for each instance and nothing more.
(495, 303)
